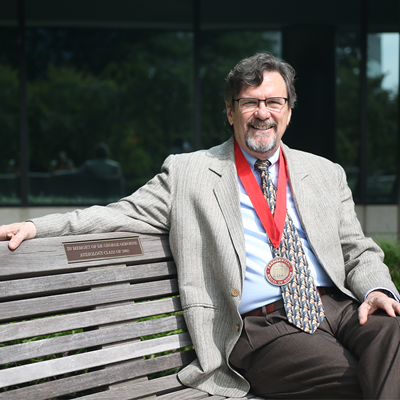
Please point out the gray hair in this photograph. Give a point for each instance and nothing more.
(249, 72)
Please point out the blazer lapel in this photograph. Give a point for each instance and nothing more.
(227, 194)
(296, 176)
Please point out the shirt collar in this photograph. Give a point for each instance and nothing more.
(251, 160)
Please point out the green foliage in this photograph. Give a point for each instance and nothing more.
(391, 248)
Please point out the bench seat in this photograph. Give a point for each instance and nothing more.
(101, 328)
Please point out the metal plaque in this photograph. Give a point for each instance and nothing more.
(102, 249)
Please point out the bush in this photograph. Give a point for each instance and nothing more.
(391, 248)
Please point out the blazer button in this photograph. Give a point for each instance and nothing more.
(235, 292)
(237, 328)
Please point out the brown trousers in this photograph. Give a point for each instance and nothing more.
(341, 360)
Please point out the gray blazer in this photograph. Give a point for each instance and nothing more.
(195, 198)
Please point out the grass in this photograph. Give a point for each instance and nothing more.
(39, 359)
(170, 371)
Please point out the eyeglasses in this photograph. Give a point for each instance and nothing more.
(272, 103)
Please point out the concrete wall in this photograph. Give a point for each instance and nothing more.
(376, 220)
(9, 215)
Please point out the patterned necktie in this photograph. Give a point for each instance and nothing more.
(302, 302)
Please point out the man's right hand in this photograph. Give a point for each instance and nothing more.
(17, 233)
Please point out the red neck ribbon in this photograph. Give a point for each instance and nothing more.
(273, 225)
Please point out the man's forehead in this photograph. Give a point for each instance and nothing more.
(272, 80)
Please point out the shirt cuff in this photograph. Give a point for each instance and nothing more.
(385, 290)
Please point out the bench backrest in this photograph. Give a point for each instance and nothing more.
(69, 326)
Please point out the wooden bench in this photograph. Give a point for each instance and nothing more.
(72, 328)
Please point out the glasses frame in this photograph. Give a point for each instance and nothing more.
(264, 100)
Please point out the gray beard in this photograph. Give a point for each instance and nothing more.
(260, 147)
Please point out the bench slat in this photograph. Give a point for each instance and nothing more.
(95, 379)
(63, 323)
(184, 394)
(47, 254)
(248, 397)
(59, 366)
(81, 280)
(74, 301)
(62, 344)
(137, 390)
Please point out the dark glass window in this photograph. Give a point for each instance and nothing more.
(382, 114)
(382, 122)
(105, 108)
(9, 117)
(347, 107)
(111, 91)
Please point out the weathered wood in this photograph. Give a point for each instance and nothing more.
(74, 301)
(248, 397)
(64, 365)
(95, 379)
(184, 394)
(63, 323)
(139, 390)
(85, 280)
(62, 344)
(44, 255)
(116, 286)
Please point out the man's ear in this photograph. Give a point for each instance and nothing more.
(289, 116)
(229, 113)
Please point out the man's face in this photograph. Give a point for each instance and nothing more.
(260, 132)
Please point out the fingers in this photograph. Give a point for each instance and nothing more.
(396, 309)
(17, 233)
(374, 301)
(6, 231)
(364, 311)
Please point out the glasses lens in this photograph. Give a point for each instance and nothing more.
(275, 103)
(248, 104)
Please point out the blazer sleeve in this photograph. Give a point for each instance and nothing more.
(363, 258)
(145, 211)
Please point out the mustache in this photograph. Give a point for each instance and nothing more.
(263, 124)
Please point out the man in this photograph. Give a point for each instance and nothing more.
(241, 289)
(101, 166)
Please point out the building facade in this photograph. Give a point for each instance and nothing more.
(95, 94)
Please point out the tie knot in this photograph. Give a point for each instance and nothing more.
(262, 165)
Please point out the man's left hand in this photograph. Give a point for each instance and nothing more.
(377, 300)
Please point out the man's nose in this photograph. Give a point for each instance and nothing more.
(262, 111)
